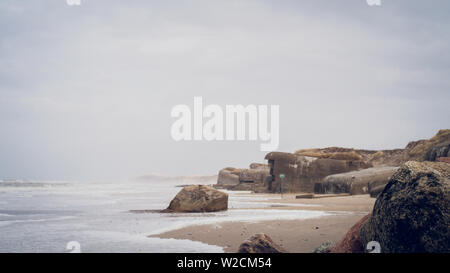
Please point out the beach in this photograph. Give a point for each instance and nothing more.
(101, 217)
(297, 235)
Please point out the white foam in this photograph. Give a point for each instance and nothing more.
(249, 215)
(103, 222)
(157, 244)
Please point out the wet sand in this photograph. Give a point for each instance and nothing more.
(298, 236)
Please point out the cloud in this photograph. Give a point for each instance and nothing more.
(86, 91)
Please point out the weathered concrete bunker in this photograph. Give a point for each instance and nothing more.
(302, 172)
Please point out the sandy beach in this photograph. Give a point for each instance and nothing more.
(298, 236)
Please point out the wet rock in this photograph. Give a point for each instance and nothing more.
(412, 212)
(351, 243)
(260, 243)
(324, 247)
(199, 198)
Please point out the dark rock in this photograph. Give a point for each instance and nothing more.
(351, 243)
(260, 243)
(324, 247)
(412, 212)
(199, 198)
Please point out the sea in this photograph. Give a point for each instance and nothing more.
(62, 216)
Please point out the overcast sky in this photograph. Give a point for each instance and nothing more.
(86, 92)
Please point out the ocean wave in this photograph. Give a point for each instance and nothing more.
(124, 242)
(187, 179)
(28, 184)
(6, 215)
(4, 223)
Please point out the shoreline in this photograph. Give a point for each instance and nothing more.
(296, 236)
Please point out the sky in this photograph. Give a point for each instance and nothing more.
(86, 91)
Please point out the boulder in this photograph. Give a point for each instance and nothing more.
(199, 198)
(356, 182)
(351, 243)
(260, 243)
(325, 247)
(412, 213)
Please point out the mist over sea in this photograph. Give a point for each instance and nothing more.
(43, 216)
